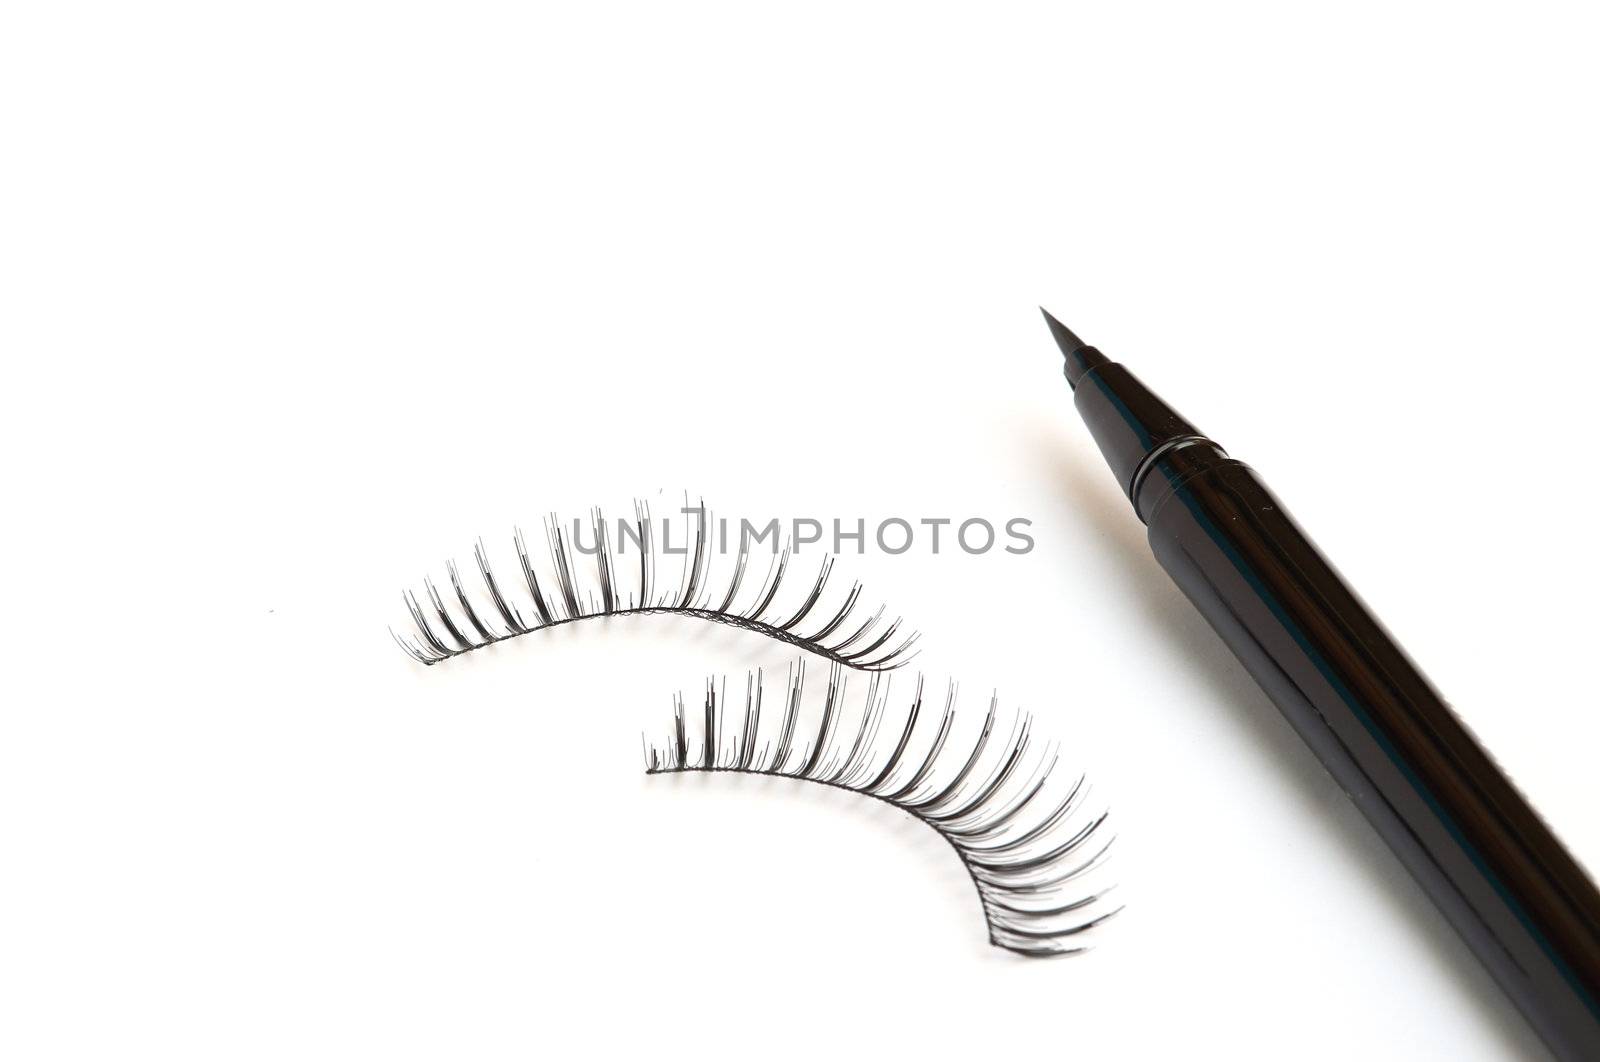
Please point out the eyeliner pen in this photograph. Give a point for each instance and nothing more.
(1471, 840)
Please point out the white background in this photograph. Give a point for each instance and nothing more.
(299, 299)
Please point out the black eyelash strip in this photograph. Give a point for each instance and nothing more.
(450, 624)
(1020, 851)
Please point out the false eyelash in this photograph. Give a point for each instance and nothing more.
(1018, 855)
(441, 634)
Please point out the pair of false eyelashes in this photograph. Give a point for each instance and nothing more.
(1020, 830)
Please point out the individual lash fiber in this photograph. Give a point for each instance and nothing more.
(1020, 851)
(446, 626)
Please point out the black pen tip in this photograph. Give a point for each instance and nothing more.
(1080, 356)
(1065, 339)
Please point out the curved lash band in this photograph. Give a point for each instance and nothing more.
(1017, 855)
(441, 633)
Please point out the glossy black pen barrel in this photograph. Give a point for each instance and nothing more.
(1466, 834)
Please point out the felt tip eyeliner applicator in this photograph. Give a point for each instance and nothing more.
(1483, 855)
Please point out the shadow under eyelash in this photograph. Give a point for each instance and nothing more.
(446, 628)
(1019, 855)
